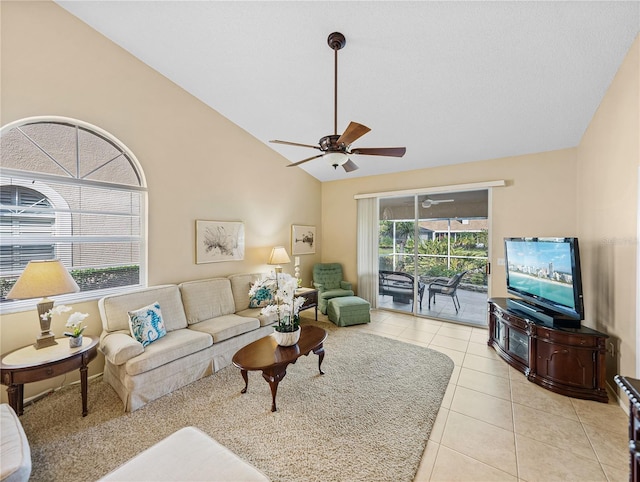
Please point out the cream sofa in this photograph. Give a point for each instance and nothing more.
(207, 321)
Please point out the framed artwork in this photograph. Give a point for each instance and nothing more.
(219, 241)
(303, 239)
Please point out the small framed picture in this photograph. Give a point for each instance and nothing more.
(219, 241)
(303, 239)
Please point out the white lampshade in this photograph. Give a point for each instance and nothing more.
(279, 256)
(42, 279)
(336, 158)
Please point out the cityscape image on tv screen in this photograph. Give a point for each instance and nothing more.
(542, 269)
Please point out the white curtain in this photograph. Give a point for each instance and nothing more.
(367, 259)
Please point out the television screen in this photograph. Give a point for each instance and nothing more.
(546, 272)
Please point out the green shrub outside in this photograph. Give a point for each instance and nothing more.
(90, 279)
(468, 253)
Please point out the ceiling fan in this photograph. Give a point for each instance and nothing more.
(336, 149)
(427, 203)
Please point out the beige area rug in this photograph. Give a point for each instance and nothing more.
(367, 419)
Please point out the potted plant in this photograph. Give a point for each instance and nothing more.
(74, 323)
(283, 305)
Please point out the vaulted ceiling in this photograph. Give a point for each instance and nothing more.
(452, 81)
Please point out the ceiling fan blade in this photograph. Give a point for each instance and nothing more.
(438, 201)
(304, 160)
(295, 144)
(380, 151)
(350, 166)
(354, 131)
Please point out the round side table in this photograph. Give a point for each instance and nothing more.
(27, 365)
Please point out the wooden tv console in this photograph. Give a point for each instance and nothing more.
(569, 361)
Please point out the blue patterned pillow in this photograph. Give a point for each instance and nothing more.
(146, 324)
(261, 298)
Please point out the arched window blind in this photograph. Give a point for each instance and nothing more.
(72, 191)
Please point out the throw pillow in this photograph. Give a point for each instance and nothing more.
(146, 324)
(261, 298)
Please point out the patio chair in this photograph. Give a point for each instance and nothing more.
(446, 286)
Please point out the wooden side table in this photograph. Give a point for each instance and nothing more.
(27, 365)
(310, 296)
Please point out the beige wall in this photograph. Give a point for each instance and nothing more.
(198, 165)
(608, 162)
(533, 203)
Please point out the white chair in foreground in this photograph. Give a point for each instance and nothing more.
(186, 455)
(15, 453)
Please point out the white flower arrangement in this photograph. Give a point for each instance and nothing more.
(74, 322)
(56, 310)
(283, 304)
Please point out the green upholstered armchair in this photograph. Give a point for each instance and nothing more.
(327, 279)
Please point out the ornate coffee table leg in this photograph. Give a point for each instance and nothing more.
(320, 352)
(246, 381)
(273, 379)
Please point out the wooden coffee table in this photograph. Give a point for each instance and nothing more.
(265, 354)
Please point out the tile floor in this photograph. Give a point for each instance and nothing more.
(494, 424)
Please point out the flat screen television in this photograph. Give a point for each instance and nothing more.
(545, 274)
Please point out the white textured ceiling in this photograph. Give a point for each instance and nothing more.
(452, 81)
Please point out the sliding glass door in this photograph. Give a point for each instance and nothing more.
(433, 254)
(396, 253)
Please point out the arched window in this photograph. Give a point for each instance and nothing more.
(70, 190)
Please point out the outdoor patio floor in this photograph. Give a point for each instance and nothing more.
(473, 307)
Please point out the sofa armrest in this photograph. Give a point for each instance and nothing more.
(117, 348)
(345, 285)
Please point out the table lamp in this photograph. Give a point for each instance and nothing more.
(279, 256)
(43, 278)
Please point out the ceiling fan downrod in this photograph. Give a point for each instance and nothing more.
(336, 148)
(336, 41)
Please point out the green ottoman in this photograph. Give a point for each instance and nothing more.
(348, 310)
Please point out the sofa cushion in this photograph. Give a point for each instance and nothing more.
(14, 447)
(335, 293)
(265, 320)
(240, 285)
(176, 344)
(224, 327)
(114, 309)
(206, 299)
(146, 324)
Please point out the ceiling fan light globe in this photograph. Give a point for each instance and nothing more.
(336, 158)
